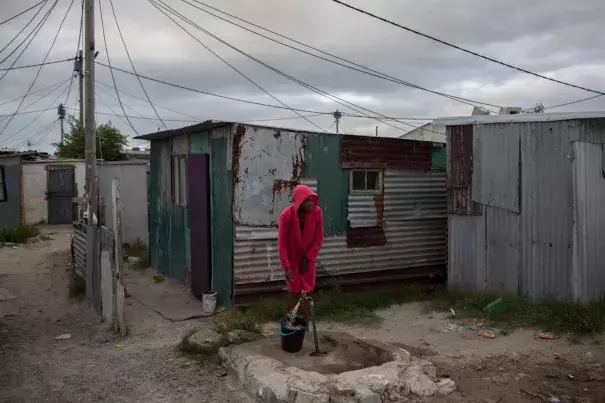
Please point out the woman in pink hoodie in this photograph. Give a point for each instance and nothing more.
(300, 236)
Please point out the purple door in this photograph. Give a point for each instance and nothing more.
(199, 223)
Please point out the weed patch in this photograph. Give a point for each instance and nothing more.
(520, 312)
(19, 234)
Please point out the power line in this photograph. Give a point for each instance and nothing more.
(110, 69)
(573, 102)
(43, 96)
(50, 107)
(38, 65)
(43, 61)
(27, 112)
(156, 104)
(132, 64)
(359, 68)
(41, 133)
(77, 50)
(233, 67)
(22, 12)
(470, 52)
(33, 32)
(308, 86)
(202, 92)
(35, 92)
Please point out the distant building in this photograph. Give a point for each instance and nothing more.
(427, 132)
(136, 154)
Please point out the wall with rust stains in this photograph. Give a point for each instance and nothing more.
(267, 164)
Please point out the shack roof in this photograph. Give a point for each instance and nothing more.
(518, 118)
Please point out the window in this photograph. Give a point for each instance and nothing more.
(3, 196)
(179, 180)
(365, 181)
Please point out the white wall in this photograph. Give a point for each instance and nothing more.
(35, 186)
(133, 189)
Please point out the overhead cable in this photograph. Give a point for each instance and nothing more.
(22, 12)
(38, 64)
(33, 32)
(52, 45)
(111, 70)
(132, 64)
(470, 52)
(308, 86)
(233, 67)
(358, 67)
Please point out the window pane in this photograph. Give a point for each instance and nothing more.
(373, 180)
(359, 180)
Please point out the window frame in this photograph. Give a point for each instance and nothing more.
(366, 191)
(4, 195)
(178, 179)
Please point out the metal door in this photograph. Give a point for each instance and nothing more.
(60, 193)
(199, 223)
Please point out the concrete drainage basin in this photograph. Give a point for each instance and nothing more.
(353, 370)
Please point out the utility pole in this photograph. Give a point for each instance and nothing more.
(337, 115)
(61, 112)
(92, 181)
(376, 131)
(79, 69)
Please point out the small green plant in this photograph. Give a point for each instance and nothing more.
(140, 250)
(77, 287)
(158, 278)
(19, 234)
(519, 312)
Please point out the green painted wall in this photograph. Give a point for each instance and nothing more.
(222, 221)
(323, 164)
(439, 158)
(167, 222)
(200, 143)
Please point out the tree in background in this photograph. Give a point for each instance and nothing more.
(111, 140)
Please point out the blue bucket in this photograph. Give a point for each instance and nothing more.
(292, 334)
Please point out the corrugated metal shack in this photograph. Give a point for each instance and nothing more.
(526, 197)
(217, 189)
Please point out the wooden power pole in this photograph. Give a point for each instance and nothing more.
(92, 181)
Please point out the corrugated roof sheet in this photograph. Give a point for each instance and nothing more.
(524, 117)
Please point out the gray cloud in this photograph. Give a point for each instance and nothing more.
(557, 38)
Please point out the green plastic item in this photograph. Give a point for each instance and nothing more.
(494, 306)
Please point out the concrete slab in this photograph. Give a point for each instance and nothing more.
(353, 370)
(168, 298)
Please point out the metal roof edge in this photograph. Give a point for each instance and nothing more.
(517, 118)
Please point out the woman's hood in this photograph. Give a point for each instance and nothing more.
(301, 192)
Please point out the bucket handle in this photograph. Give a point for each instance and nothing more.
(286, 334)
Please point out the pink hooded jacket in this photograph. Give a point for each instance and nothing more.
(293, 245)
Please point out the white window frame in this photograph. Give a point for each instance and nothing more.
(3, 195)
(367, 191)
(179, 180)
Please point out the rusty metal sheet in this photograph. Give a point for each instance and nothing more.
(267, 164)
(459, 171)
(381, 152)
(180, 145)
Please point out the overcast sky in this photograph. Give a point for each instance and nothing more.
(557, 38)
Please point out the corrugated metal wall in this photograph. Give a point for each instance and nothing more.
(415, 228)
(10, 209)
(588, 276)
(552, 248)
(78, 249)
(221, 216)
(381, 152)
(167, 229)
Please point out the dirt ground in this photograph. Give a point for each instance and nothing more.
(94, 365)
